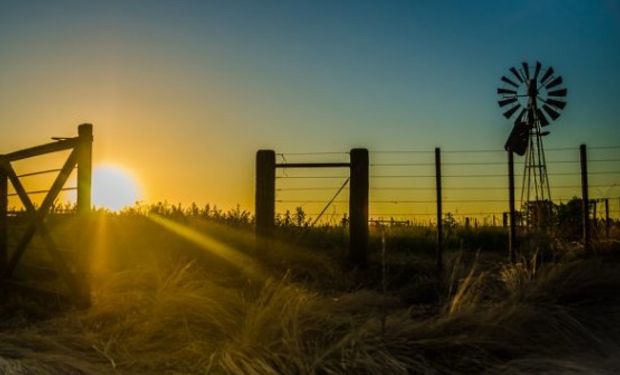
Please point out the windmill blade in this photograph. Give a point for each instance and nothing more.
(508, 81)
(511, 111)
(547, 74)
(551, 112)
(516, 74)
(561, 92)
(505, 102)
(530, 116)
(521, 116)
(526, 70)
(541, 117)
(537, 71)
(556, 103)
(554, 82)
(506, 91)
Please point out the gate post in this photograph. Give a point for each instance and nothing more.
(84, 166)
(585, 200)
(4, 190)
(84, 206)
(265, 199)
(358, 207)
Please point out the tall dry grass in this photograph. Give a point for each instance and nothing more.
(189, 314)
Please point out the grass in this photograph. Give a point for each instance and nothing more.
(164, 305)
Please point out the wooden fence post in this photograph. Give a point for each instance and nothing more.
(607, 222)
(4, 190)
(512, 231)
(84, 207)
(585, 201)
(265, 199)
(439, 249)
(358, 207)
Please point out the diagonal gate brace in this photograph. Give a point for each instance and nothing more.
(37, 217)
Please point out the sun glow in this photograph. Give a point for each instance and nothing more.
(114, 188)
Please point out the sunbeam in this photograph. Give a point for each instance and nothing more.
(212, 245)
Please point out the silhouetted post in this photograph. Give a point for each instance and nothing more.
(84, 206)
(265, 200)
(504, 220)
(512, 231)
(358, 208)
(607, 223)
(4, 190)
(84, 166)
(585, 201)
(439, 250)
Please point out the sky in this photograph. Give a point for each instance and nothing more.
(183, 93)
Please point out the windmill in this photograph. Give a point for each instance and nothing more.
(532, 99)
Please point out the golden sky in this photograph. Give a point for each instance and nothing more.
(182, 96)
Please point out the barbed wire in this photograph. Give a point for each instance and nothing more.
(426, 201)
(450, 176)
(426, 151)
(485, 163)
(396, 214)
(430, 214)
(484, 174)
(416, 188)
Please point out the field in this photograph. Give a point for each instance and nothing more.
(183, 294)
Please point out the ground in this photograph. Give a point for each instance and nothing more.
(192, 296)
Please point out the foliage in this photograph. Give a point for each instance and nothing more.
(568, 219)
(163, 304)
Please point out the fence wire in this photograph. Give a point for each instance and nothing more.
(475, 184)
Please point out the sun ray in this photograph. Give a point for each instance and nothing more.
(212, 245)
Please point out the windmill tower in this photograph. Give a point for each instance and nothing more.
(536, 101)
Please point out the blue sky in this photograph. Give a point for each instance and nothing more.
(216, 80)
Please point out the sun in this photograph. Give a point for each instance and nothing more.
(114, 188)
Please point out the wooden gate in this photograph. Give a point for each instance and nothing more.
(75, 276)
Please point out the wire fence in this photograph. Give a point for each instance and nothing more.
(475, 184)
(402, 184)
